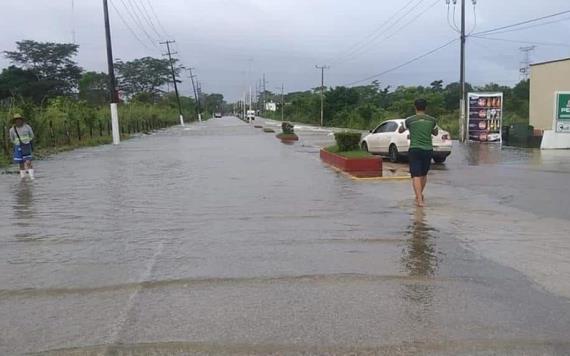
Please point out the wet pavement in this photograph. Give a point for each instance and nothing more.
(218, 239)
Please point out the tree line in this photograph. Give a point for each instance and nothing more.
(364, 107)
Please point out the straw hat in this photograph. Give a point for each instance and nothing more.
(18, 117)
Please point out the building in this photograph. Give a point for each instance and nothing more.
(270, 106)
(546, 79)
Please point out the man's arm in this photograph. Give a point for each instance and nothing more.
(403, 127)
(435, 130)
(13, 137)
(31, 133)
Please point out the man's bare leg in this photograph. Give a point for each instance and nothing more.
(417, 183)
(424, 183)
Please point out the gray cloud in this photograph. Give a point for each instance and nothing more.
(286, 38)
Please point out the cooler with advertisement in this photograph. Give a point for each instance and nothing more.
(485, 116)
(562, 113)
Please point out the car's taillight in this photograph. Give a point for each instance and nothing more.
(445, 137)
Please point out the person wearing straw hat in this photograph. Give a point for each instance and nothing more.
(22, 135)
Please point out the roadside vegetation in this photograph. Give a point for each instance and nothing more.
(364, 107)
(348, 145)
(68, 107)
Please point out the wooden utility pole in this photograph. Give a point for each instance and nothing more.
(322, 68)
(114, 97)
(464, 114)
(169, 54)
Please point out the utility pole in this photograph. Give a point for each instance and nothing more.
(264, 92)
(112, 81)
(463, 102)
(167, 43)
(282, 101)
(525, 64)
(195, 95)
(322, 68)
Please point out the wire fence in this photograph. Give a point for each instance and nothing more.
(64, 124)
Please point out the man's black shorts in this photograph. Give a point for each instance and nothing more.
(420, 162)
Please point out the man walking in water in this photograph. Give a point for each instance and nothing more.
(21, 135)
(421, 127)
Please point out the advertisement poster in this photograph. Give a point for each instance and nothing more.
(562, 112)
(485, 116)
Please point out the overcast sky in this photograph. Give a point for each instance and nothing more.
(231, 43)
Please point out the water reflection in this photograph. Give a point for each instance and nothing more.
(419, 259)
(23, 207)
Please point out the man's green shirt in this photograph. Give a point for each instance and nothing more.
(421, 128)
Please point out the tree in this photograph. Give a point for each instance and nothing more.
(213, 102)
(16, 81)
(144, 75)
(94, 88)
(437, 85)
(52, 64)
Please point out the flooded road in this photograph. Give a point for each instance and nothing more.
(218, 239)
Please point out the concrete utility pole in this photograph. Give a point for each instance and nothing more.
(169, 54)
(112, 81)
(264, 92)
(463, 102)
(195, 95)
(282, 101)
(525, 64)
(322, 68)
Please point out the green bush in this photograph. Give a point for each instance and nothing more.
(347, 141)
(288, 128)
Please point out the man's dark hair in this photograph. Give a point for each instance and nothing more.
(421, 104)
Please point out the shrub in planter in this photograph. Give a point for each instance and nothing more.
(288, 128)
(347, 141)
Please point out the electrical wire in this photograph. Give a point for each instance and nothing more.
(138, 23)
(124, 21)
(527, 27)
(452, 25)
(370, 36)
(157, 19)
(144, 14)
(553, 44)
(415, 59)
(494, 30)
(474, 20)
(366, 47)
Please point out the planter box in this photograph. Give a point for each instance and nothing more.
(288, 138)
(357, 167)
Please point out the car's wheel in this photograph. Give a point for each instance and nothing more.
(364, 146)
(439, 159)
(393, 153)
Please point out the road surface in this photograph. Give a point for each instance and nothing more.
(218, 239)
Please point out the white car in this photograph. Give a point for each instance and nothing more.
(386, 140)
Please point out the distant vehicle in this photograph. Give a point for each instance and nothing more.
(251, 115)
(386, 140)
(218, 115)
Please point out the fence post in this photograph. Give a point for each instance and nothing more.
(5, 140)
(100, 128)
(51, 134)
(67, 135)
(78, 130)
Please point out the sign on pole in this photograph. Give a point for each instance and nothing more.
(562, 112)
(485, 112)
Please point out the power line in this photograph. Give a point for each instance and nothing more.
(528, 27)
(363, 48)
(138, 23)
(553, 44)
(129, 27)
(415, 59)
(373, 35)
(144, 14)
(523, 22)
(157, 18)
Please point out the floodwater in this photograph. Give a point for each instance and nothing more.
(218, 239)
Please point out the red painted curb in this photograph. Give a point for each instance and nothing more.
(358, 167)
